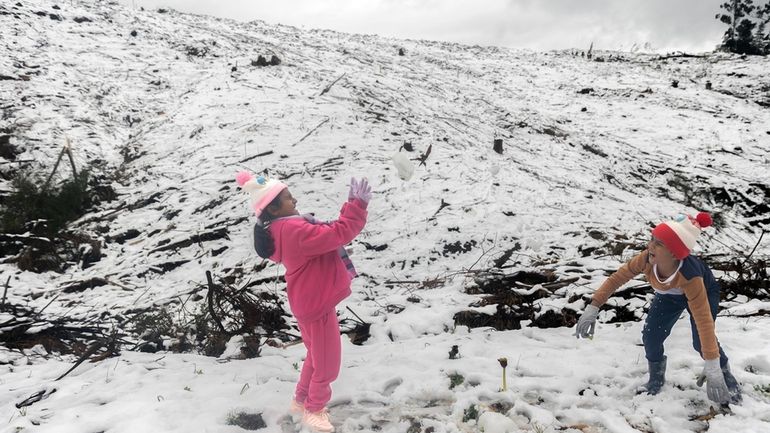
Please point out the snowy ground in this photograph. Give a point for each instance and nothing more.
(170, 105)
(556, 383)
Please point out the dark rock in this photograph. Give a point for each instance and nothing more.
(458, 247)
(371, 247)
(81, 286)
(82, 20)
(497, 145)
(247, 421)
(127, 235)
(594, 150)
(194, 51)
(162, 268)
(8, 150)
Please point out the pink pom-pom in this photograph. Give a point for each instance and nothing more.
(704, 220)
(242, 177)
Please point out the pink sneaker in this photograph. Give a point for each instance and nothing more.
(296, 409)
(318, 421)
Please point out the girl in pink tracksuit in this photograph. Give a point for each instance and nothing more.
(318, 275)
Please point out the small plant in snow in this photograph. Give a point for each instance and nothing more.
(152, 328)
(503, 363)
(763, 389)
(455, 379)
(471, 413)
(30, 201)
(454, 352)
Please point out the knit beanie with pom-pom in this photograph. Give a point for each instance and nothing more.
(261, 190)
(681, 234)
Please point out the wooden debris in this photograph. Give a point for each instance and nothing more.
(327, 88)
(424, 156)
(249, 158)
(311, 131)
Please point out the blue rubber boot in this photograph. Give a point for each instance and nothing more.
(657, 377)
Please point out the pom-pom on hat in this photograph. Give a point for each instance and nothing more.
(681, 234)
(261, 189)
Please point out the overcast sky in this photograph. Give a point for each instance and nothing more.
(687, 25)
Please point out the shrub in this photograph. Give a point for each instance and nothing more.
(43, 211)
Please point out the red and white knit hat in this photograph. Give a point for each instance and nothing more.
(680, 235)
(261, 189)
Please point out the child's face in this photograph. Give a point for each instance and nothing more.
(286, 205)
(658, 253)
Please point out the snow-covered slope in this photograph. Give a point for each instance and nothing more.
(171, 106)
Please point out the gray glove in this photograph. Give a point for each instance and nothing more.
(716, 388)
(587, 322)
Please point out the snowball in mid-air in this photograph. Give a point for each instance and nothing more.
(403, 165)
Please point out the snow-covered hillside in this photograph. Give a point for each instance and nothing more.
(169, 106)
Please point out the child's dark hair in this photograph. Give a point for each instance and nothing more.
(263, 242)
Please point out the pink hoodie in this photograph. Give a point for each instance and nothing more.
(316, 277)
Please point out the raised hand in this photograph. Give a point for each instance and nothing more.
(353, 188)
(360, 189)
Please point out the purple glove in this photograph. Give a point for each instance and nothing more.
(353, 189)
(360, 189)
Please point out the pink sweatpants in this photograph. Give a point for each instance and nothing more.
(322, 363)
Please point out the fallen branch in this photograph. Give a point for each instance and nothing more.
(67, 146)
(55, 166)
(34, 398)
(95, 346)
(387, 282)
(216, 234)
(424, 156)
(210, 297)
(754, 249)
(255, 156)
(560, 283)
(360, 320)
(441, 206)
(674, 56)
(311, 131)
(327, 88)
(5, 292)
(46, 306)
